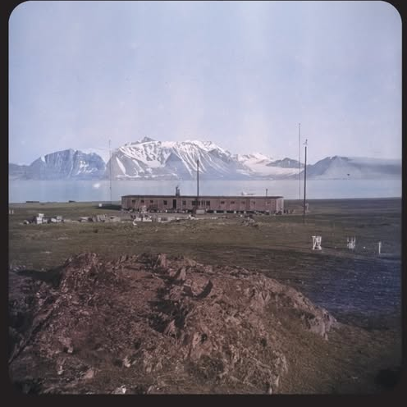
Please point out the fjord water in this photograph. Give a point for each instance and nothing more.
(87, 191)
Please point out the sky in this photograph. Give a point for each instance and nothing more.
(240, 74)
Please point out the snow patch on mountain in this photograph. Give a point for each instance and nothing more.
(123, 169)
(266, 166)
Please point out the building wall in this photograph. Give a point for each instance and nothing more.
(238, 204)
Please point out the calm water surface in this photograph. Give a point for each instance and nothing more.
(63, 191)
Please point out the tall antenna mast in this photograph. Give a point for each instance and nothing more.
(110, 173)
(305, 177)
(197, 183)
(299, 160)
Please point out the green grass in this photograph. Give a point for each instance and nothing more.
(212, 241)
(280, 246)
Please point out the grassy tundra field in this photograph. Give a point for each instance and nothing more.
(360, 288)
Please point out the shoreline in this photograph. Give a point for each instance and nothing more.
(288, 200)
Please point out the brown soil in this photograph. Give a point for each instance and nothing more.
(156, 325)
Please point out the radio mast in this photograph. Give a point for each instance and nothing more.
(305, 177)
(299, 160)
(110, 173)
(197, 183)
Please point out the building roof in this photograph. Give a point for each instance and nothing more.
(203, 196)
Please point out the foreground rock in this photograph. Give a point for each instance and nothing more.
(149, 324)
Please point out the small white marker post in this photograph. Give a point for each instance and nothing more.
(380, 246)
(351, 243)
(316, 242)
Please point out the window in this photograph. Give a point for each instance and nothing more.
(151, 201)
(133, 201)
(268, 203)
(243, 202)
(222, 202)
(232, 202)
(194, 202)
(164, 202)
(142, 201)
(184, 202)
(208, 203)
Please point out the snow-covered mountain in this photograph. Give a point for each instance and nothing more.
(354, 168)
(286, 163)
(66, 164)
(101, 152)
(151, 159)
(267, 167)
(17, 171)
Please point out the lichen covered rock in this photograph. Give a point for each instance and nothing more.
(154, 324)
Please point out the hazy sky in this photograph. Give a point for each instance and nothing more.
(241, 74)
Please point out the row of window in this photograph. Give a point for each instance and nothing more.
(202, 203)
(207, 203)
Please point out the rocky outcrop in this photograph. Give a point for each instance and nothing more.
(153, 324)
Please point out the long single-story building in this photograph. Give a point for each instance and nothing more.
(178, 203)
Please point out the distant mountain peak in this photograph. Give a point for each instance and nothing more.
(340, 167)
(151, 159)
(285, 163)
(146, 139)
(65, 164)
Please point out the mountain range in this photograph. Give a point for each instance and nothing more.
(66, 164)
(354, 168)
(170, 160)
